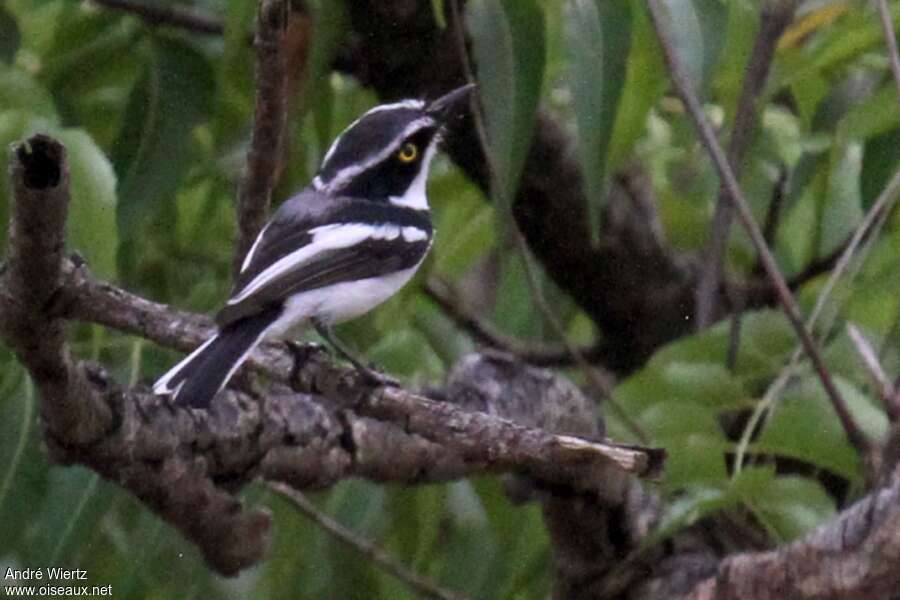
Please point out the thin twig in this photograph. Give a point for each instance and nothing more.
(734, 336)
(873, 365)
(602, 386)
(890, 40)
(873, 221)
(776, 16)
(708, 137)
(384, 561)
(534, 353)
(265, 154)
(773, 214)
(818, 266)
(477, 118)
(175, 16)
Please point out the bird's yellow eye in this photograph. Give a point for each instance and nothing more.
(408, 152)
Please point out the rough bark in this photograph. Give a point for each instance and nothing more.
(317, 423)
(853, 556)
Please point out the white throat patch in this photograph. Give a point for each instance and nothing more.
(416, 196)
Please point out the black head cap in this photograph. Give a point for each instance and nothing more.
(377, 136)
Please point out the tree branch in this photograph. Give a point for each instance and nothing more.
(535, 353)
(775, 17)
(853, 556)
(707, 136)
(890, 41)
(396, 49)
(265, 154)
(384, 561)
(184, 465)
(39, 174)
(175, 16)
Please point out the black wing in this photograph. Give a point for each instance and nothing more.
(291, 230)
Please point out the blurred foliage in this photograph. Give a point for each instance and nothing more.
(157, 122)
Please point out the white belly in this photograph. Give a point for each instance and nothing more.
(339, 302)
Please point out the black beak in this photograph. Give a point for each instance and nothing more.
(451, 103)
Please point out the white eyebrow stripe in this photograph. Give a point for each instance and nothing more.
(346, 173)
(327, 237)
(411, 104)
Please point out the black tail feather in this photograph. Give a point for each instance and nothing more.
(196, 380)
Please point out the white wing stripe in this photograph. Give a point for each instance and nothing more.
(414, 234)
(413, 104)
(324, 238)
(253, 248)
(347, 173)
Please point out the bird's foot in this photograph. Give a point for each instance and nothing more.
(302, 351)
(375, 377)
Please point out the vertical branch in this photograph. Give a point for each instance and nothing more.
(264, 156)
(708, 138)
(776, 16)
(890, 40)
(39, 174)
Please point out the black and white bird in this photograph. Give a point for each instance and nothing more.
(340, 247)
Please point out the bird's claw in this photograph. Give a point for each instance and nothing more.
(376, 377)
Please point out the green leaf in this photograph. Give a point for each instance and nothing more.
(841, 210)
(330, 29)
(645, 84)
(359, 506)
(805, 427)
(153, 152)
(437, 8)
(92, 209)
(234, 73)
(599, 37)
(848, 38)
(415, 528)
(10, 36)
(697, 502)
(521, 540)
(509, 48)
(91, 69)
(698, 28)
(693, 439)
(464, 226)
(878, 114)
(19, 90)
(790, 506)
(92, 212)
(880, 162)
(738, 38)
(865, 411)
(713, 17)
(24, 474)
(468, 527)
